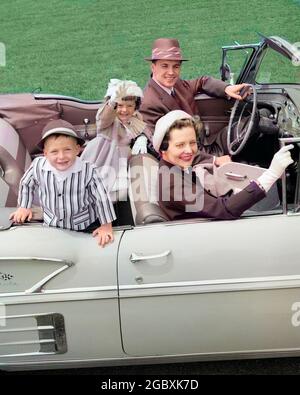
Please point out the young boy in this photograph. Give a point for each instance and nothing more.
(71, 191)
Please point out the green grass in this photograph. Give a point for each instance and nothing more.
(75, 46)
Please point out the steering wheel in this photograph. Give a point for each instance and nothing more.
(239, 133)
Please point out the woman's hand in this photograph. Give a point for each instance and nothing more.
(220, 160)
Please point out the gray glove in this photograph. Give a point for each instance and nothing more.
(280, 162)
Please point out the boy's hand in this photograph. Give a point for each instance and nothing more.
(21, 214)
(104, 234)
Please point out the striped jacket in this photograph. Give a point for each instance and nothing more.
(75, 202)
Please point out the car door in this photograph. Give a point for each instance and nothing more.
(210, 287)
(58, 297)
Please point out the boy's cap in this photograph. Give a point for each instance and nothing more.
(164, 123)
(59, 126)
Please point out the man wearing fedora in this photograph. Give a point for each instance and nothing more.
(166, 91)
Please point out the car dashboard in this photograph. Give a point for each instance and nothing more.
(281, 107)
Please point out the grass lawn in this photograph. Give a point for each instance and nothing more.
(75, 46)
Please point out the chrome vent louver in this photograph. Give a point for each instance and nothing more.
(32, 334)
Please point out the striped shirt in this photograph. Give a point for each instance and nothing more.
(71, 200)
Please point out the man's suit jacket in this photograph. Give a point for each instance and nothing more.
(157, 102)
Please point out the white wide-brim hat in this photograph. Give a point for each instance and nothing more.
(163, 125)
(130, 88)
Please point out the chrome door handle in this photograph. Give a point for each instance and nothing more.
(234, 176)
(137, 258)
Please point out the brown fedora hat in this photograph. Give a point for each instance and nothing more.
(167, 49)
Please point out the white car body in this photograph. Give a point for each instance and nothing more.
(168, 291)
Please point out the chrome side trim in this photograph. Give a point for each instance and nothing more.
(149, 359)
(106, 292)
(61, 295)
(192, 221)
(212, 286)
(40, 328)
(34, 258)
(27, 342)
(38, 286)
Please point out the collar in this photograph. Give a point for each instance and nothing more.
(75, 168)
(169, 91)
(196, 160)
(163, 162)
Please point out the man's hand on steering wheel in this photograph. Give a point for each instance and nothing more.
(239, 131)
(239, 92)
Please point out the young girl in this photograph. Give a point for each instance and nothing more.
(119, 127)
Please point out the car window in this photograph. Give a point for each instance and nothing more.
(237, 59)
(276, 68)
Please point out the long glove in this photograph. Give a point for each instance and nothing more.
(140, 145)
(279, 163)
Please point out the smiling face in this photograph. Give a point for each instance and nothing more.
(182, 147)
(125, 110)
(166, 72)
(61, 151)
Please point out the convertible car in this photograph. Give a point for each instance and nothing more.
(194, 289)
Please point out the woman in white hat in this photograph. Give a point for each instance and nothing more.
(182, 193)
(119, 127)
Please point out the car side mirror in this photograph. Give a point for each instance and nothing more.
(225, 72)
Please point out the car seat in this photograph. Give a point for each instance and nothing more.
(143, 187)
(14, 161)
(143, 173)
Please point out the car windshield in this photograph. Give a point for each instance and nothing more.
(276, 68)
